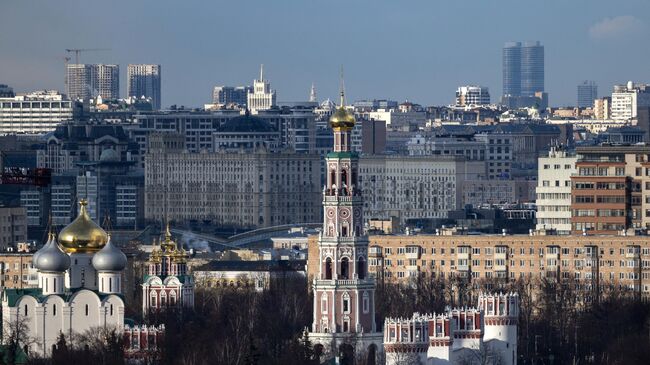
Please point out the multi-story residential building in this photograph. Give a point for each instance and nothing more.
(297, 128)
(554, 191)
(611, 190)
(626, 99)
(39, 112)
(603, 108)
(472, 95)
(250, 189)
(85, 81)
(261, 97)
(375, 104)
(231, 95)
(479, 192)
(13, 225)
(587, 93)
(16, 269)
(414, 187)
(396, 119)
(144, 81)
(598, 263)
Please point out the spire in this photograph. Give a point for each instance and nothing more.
(312, 93)
(342, 89)
(261, 72)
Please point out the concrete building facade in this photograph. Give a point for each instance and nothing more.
(554, 191)
(35, 113)
(145, 81)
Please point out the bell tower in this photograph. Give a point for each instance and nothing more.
(344, 294)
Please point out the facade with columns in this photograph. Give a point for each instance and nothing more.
(79, 288)
(484, 334)
(344, 294)
(167, 284)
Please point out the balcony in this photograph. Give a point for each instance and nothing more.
(346, 282)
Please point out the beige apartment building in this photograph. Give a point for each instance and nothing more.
(13, 226)
(596, 261)
(16, 270)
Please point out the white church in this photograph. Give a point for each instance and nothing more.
(79, 287)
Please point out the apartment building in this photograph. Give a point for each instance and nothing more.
(611, 190)
(595, 262)
(16, 270)
(554, 191)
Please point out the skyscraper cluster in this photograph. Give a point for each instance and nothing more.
(85, 81)
(523, 71)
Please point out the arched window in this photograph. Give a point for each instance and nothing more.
(361, 268)
(163, 298)
(344, 179)
(345, 268)
(332, 179)
(346, 303)
(86, 310)
(25, 310)
(323, 303)
(172, 298)
(328, 268)
(54, 309)
(111, 309)
(153, 299)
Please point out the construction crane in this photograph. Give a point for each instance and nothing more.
(77, 51)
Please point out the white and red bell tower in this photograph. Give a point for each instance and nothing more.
(344, 294)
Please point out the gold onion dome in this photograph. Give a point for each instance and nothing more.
(342, 119)
(83, 235)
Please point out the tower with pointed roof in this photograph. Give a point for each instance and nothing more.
(344, 293)
(167, 285)
(261, 97)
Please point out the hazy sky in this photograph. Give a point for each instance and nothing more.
(415, 50)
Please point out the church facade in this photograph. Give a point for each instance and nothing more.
(79, 288)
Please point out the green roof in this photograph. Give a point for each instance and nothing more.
(37, 293)
(349, 154)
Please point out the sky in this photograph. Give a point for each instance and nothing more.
(419, 51)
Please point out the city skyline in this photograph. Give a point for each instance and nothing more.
(587, 46)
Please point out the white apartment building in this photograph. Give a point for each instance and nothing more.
(36, 113)
(472, 95)
(396, 119)
(554, 191)
(626, 99)
(414, 187)
(262, 97)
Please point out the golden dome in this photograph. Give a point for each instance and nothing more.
(82, 235)
(342, 119)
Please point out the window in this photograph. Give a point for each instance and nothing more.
(323, 303)
(346, 304)
(366, 302)
(86, 310)
(54, 309)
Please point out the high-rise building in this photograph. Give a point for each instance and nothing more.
(262, 97)
(512, 69)
(523, 69)
(6, 91)
(231, 95)
(472, 95)
(144, 80)
(554, 191)
(626, 99)
(85, 81)
(587, 93)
